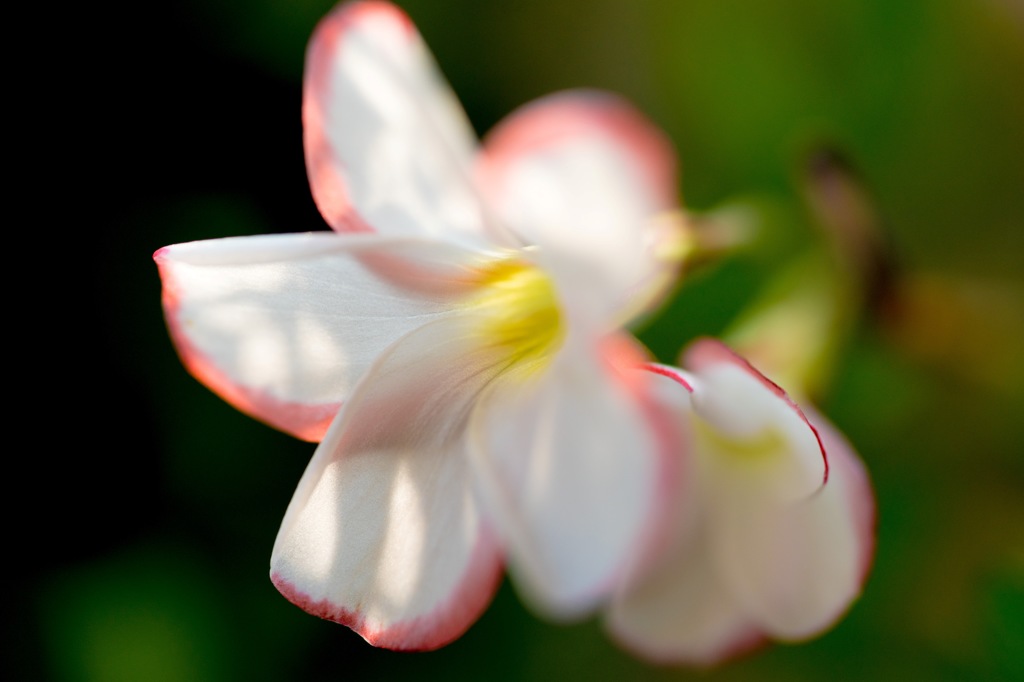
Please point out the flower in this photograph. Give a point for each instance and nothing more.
(454, 341)
(774, 535)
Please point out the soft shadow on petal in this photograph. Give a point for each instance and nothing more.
(573, 469)
(388, 147)
(383, 533)
(283, 326)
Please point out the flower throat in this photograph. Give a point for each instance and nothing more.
(519, 311)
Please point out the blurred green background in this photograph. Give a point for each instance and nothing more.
(147, 555)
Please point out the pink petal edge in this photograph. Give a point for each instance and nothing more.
(572, 114)
(708, 351)
(305, 421)
(622, 355)
(670, 373)
(327, 185)
(747, 640)
(860, 494)
(452, 617)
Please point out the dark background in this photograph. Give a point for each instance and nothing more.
(143, 508)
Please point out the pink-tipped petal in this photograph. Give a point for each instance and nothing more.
(388, 147)
(791, 549)
(572, 470)
(282, 326)
(586, 175)
(772, 442)
(743, 564)
(383, 533)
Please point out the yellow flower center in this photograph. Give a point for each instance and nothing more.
(765, 444)
(517, 304)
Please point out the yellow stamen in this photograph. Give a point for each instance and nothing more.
(516, 301)
(760, 446)
(675, 235)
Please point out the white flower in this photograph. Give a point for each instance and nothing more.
(464, 314)
(774, 534)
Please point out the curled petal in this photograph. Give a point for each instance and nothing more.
(759, 431)
(388, 147)
(572, 470)
(282, 326)
(383, 533)
(584, 174)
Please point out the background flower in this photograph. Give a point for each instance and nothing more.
(774, 535)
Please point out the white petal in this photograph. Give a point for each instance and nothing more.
(858, 497)
(794, 562)
(570, 464)
(762, 437)
(585, 175)
(797, 568)
(388, 147)
(282, 326)
(383, 533)
(682, 611)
